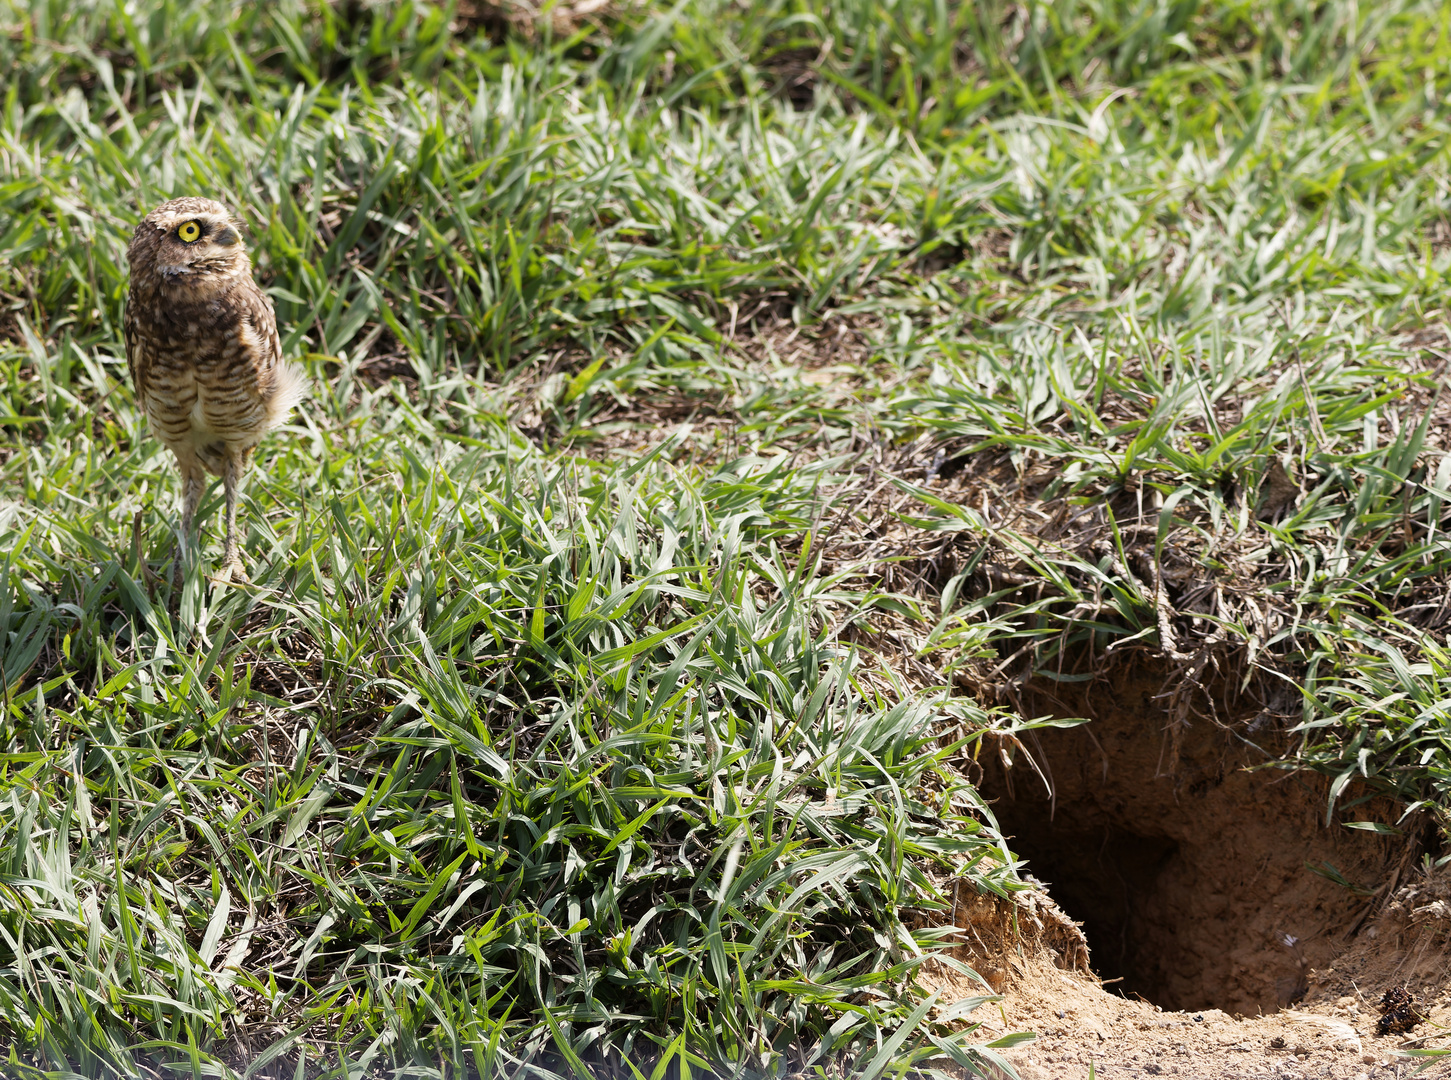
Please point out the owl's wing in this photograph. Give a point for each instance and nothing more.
(258, 328)
(268, 328)
(134, 359)
(280, 385)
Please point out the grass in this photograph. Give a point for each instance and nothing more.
(704, 396)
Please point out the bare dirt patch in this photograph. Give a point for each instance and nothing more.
(1334, 1033)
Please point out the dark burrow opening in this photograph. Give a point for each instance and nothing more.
(1187, 868)
(1099, 881)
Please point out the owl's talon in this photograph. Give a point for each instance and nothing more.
(233, 573)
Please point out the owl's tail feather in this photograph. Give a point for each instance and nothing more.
(289, 386)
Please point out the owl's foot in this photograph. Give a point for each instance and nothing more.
(233, 572)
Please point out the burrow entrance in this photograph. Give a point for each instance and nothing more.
(1185, 869)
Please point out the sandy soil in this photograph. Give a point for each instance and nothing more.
(1083, 1026)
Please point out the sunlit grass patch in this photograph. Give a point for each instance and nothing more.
(514, 762)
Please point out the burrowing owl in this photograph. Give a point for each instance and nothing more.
(203, 350)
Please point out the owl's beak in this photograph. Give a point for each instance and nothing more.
(227, 237)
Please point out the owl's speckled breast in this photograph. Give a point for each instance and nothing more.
(207, 361)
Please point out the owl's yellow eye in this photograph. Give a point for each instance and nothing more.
(189, 232)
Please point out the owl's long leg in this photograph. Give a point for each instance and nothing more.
(193, 483)
(232, 568)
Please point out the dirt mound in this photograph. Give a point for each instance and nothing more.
(1008, 941)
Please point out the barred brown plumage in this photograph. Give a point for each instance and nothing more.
(204, 354)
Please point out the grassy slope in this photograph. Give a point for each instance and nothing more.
(527, 751)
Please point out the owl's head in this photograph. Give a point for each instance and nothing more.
(187, 239)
